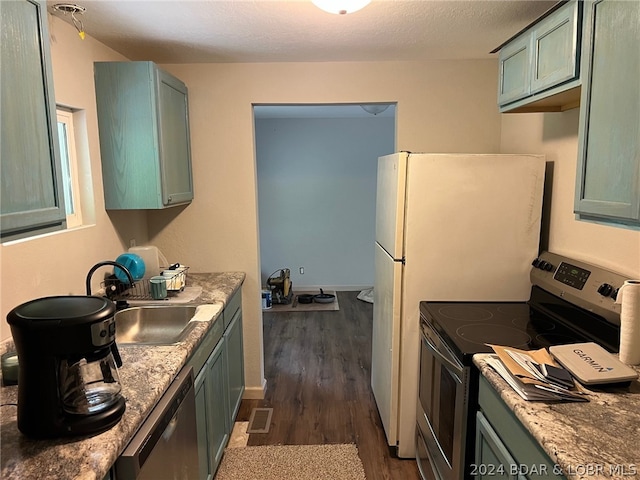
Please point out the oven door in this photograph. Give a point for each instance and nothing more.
(443, 405)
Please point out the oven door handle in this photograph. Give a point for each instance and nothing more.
(455, 369)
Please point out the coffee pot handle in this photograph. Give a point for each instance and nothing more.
(116, 354)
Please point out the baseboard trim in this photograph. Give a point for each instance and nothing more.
(255, 393)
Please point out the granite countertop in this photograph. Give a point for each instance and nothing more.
(595, 439)
(146, 372)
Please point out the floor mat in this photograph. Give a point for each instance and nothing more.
(299, 462)
(296, 306)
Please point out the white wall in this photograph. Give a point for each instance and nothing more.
(443, 106)
(317, 193)
(556, 135)
(57, 264)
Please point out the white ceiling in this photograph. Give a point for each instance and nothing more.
(217, 31)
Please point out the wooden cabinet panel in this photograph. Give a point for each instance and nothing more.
(217, 404)
(514, 70)
(235, 365)
(144, 136)
(493, 460)
(608, 176)
(32, 191)
(202, 424)
(175, 155)
(540, 68)
(219, 361)
(508, 440)
(555, 49)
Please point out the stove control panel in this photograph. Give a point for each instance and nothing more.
(571, 275)
(589, 286)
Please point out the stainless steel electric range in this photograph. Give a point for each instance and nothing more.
(571, 301)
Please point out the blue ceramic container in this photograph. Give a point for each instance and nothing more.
(131, 262)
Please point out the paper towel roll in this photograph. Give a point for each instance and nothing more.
(629, 298)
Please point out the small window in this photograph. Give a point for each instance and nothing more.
(69, 166)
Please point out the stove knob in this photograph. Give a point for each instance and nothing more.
(536, 262)
(605, 290)
(614, 294)
(545, 266)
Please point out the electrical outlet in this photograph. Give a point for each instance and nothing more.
(132, 242)
(301, 270)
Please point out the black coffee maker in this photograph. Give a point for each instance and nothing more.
(68, 381)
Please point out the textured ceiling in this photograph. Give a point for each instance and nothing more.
(212, 31)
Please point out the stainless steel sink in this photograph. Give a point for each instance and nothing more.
(154, 324)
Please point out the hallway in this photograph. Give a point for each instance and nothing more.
(317, 366)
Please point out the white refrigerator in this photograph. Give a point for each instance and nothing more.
(449, 227)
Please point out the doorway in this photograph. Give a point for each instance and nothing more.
(316, 177)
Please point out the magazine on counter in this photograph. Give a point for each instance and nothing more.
(534, 375)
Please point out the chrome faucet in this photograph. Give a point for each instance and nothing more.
(102, 264)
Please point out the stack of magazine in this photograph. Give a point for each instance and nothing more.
(534, 375)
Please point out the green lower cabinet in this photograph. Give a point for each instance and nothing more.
(206, 468)
(219, 386)
(504, 447)
(235, 364)
(211, 412)
(218, 421)
(493, 460)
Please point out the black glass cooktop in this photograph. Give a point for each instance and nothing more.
(467, 327)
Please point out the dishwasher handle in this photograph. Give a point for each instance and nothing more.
(160, 422)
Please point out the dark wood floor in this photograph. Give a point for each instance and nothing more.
(318, 368)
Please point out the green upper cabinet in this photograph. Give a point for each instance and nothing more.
(143, 119)
(32, 190)
(539, 68)
(608, 176)
(515, 61)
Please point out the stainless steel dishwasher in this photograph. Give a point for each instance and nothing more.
(166, 445)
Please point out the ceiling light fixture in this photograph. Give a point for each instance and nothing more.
(341, 7)
(73, 10)
(374, 108)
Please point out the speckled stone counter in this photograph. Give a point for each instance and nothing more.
(598, 439)
(146, 373)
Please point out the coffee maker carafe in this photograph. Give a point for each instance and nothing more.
(68, 380)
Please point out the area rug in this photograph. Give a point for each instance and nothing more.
(299, 462)
(296, 306)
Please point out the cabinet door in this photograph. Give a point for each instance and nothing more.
(608, 176)
(514, 75)
(235, 365)
(144, 136)
(555, 48)
(31, 189)
(128, 134)
(217, 404)
(175, 149)
(493, 460)
(500, 428)
(202, 422)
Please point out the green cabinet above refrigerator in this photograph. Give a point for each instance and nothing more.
(539, 68)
